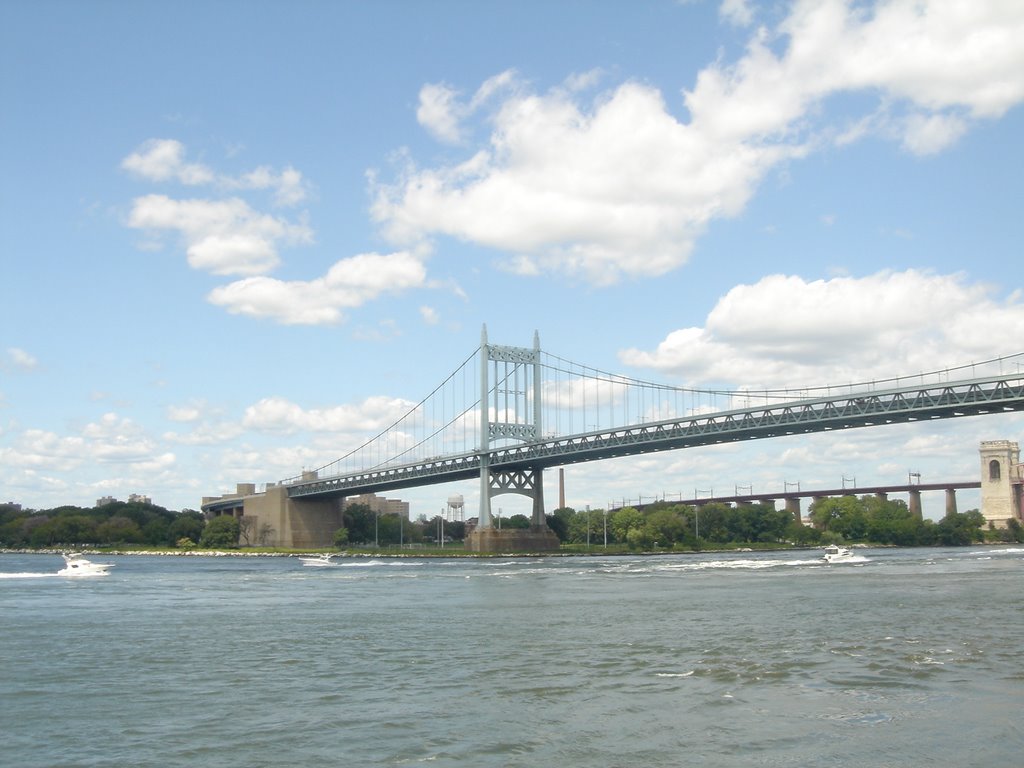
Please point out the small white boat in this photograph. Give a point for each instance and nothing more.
(76, 565)
(834, 554)
(318, 560)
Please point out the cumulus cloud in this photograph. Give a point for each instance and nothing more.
(618, 186)
(276, 414)
(225, 237)
(443, 115)
(349, 283)
(784, 330)
(736, 12)
(163, 160)
(110, 439)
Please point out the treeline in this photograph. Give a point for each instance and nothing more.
(658, 526)
(116, 523)
(845, 519)
(363, 526)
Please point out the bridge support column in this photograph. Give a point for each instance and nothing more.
(793, 508)
(538, 538)
(882, 496)
(915, 504)
(951, 501)
(516, 420)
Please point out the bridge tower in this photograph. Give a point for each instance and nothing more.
(1001, 481)
(510, 409)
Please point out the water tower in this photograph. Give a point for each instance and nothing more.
(455, 511)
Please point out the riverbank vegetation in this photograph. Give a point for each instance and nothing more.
(846, 519)
(657, 527)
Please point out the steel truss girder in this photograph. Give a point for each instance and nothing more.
(522, 481)
(908, 404)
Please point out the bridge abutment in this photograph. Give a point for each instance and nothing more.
(1002, 479)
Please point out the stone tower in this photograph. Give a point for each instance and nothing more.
(1000, 481)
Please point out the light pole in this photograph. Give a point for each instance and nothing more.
(376, 519)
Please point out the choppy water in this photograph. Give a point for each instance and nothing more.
(905, 658)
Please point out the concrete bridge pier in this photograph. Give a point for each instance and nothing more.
(537, 538)
(951, 501)
(915, 504)
(793, 508)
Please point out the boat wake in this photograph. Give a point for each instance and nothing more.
(26, 575)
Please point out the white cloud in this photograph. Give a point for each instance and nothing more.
(225, 237)
(442, 114)
(736, 12)
(619, 187)
(437, 112)
(280, 415)
(784, 330)
(164, 160)
(348, 284)
(21, 360)
(929, 134)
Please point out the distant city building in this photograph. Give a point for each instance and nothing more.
(379, 504)
(138, 498)
(14, 507)
(102, 501)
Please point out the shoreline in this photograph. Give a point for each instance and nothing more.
(379, 555)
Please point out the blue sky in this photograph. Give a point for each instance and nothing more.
(232, 234)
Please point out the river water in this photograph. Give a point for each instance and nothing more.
(904, 657)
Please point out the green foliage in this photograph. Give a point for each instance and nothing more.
(188, 525)
(558, 521)
(359, 520)
(1013, 532)
(221, 532)
(341, 537)
(514, 521)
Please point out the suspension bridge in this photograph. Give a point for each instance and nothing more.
(508, 413)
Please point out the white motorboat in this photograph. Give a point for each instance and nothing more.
(76, 565)
(318, 560)
(835, 554)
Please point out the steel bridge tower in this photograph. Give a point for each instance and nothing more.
(510, 409)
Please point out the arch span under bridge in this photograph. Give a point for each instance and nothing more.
(508, 413)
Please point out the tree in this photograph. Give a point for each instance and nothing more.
(341, 538)
(624, 520)
(516, 521)
(359, 519)
(246, 530)
(220, 532)
(668, 525)
(187, 525)
(119, 529)
(265, 533)
(558, 521)
(960, 528)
